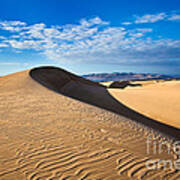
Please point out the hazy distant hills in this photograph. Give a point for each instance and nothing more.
(116, 76)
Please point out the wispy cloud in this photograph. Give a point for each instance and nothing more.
(3, 45)
(126, 23)
(144, 30)
(13, 64)
(174, 17)
(14, 26)
(92, 40)
(150, 18)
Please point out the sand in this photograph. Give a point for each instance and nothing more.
(157, 100)
(64, 130)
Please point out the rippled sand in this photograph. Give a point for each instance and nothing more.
(46, 134)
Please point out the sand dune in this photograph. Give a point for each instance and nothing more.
(157, 100)
(92, 93)
(76, 131)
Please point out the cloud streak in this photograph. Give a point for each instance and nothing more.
(175, 17)
(152, 18)
(13, 64)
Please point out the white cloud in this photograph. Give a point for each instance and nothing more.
(150, 18)
(144, 30)
(137, 35)
(93, 21)
(2, 37)
(3, 45)
(14, 26)
(13, 64)
(126, 23)
(33, 31)
(174, 17)
(92, 40)
(26, 44)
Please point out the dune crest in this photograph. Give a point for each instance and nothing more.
(73, 86)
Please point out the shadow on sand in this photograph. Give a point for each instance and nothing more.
(76, 87)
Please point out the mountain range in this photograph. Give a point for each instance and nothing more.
(116, 76)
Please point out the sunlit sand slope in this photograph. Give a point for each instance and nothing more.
(46, 135)
(157, 100)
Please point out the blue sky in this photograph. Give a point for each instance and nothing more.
(88, 36)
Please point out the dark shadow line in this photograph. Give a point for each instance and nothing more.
(57, 79)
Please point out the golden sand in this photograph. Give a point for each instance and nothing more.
(47, 135)
(157, 100)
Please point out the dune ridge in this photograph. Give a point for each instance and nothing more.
(50, 136)
(93, 93)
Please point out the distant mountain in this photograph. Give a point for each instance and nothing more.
(116, 76)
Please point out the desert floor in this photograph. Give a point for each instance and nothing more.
(46, 135)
